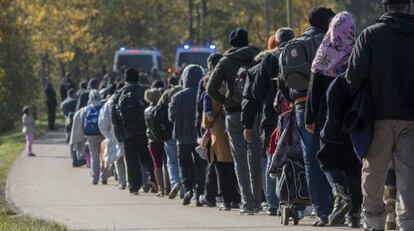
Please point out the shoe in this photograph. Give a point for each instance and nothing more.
(342, 205)
(354, 221)
(225, 207)
(271, 212)
(160, 194)
(198, 203)
(122, 187)
(246, 212)
(187, 198)
(207, 203)
(104, 182)
(31, 154)
(321, 221)
(135, 193)
(94, 182)
(174, 191)
(235, 205)
(153, 186)
(146, 188)
(219, 199)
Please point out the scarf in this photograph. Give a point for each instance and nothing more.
(332, 56)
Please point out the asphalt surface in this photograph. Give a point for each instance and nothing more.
(48, 187)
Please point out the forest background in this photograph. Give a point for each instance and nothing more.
(41, 40)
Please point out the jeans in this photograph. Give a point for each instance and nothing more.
(136, 153)
(319, 188)
(271, 196)
(393, 139)
(170, 147)
(351, 184)
(247, 161)
(193, 169)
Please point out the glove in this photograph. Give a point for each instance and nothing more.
(248, 133)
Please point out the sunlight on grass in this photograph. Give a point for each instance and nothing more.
(11, 145)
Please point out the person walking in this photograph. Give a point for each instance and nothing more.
(66, 85)
(294, 88)
(181, 112)
(264, 89)
(28, 130)
(51, 103)
(382, 60)
(170, 145)
(156, 145)
(128, 118)
(83, 97)
(247, 161)
(338, 160)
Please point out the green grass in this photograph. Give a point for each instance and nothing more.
(11, 145)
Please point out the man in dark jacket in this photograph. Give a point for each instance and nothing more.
(264, 90)
(248, 165)
(319, 188)
(51, 103)
(382, 58)
(181, 112)
(134, 139)
(84, 96)
(66, 85)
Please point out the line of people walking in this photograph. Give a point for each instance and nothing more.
(316, 124)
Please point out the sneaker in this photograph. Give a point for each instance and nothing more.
(153, 186)
(187, 198)
(207, 203)
(174, 191)
(94, 182)
(31, 154)
(271, 212)
(321, 221)
(224, 207)
(198, 203)
(104, 182)
(246, 212)
(136, 193)
(122, 187)
(354, 221)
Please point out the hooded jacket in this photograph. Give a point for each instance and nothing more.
(226, 70)
(383, 57)
(182, 108)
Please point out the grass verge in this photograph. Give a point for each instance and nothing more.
(11, 145)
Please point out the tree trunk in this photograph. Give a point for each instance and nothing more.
(199, 27)
(204, 16)
(190, 20)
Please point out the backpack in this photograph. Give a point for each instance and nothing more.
(296, 60)
(291, 184)
(240, 82)
(129, 111)
(162, 127)
(90, 121)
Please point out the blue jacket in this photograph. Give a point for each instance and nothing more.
(182, 108)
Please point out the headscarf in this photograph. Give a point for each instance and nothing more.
(332, 56)
(95, 98)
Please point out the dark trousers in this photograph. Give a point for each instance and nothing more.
(211, 183)
(351, 182)
(51, 115)
(228, 183)
(193, 169)
(136, 153)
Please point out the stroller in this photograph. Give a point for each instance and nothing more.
(288, 168)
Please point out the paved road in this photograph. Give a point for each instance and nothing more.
(48, 187)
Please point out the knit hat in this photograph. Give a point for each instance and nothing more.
(239, 38)
(271, 43)
(131, 75)
(396, 1)
(321, 17)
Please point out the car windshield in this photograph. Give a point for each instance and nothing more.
(199, 58)
(138, 62)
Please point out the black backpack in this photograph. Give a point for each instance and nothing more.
(240, 82)
(296, 59)
(162, 127)
(129, 111)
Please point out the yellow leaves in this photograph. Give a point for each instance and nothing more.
(66, 56)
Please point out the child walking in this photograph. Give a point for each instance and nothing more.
(28, 129)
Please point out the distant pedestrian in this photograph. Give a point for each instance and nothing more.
(66, 85)
(28, 129)
(51, 103)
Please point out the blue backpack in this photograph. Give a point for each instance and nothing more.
(90, 121)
